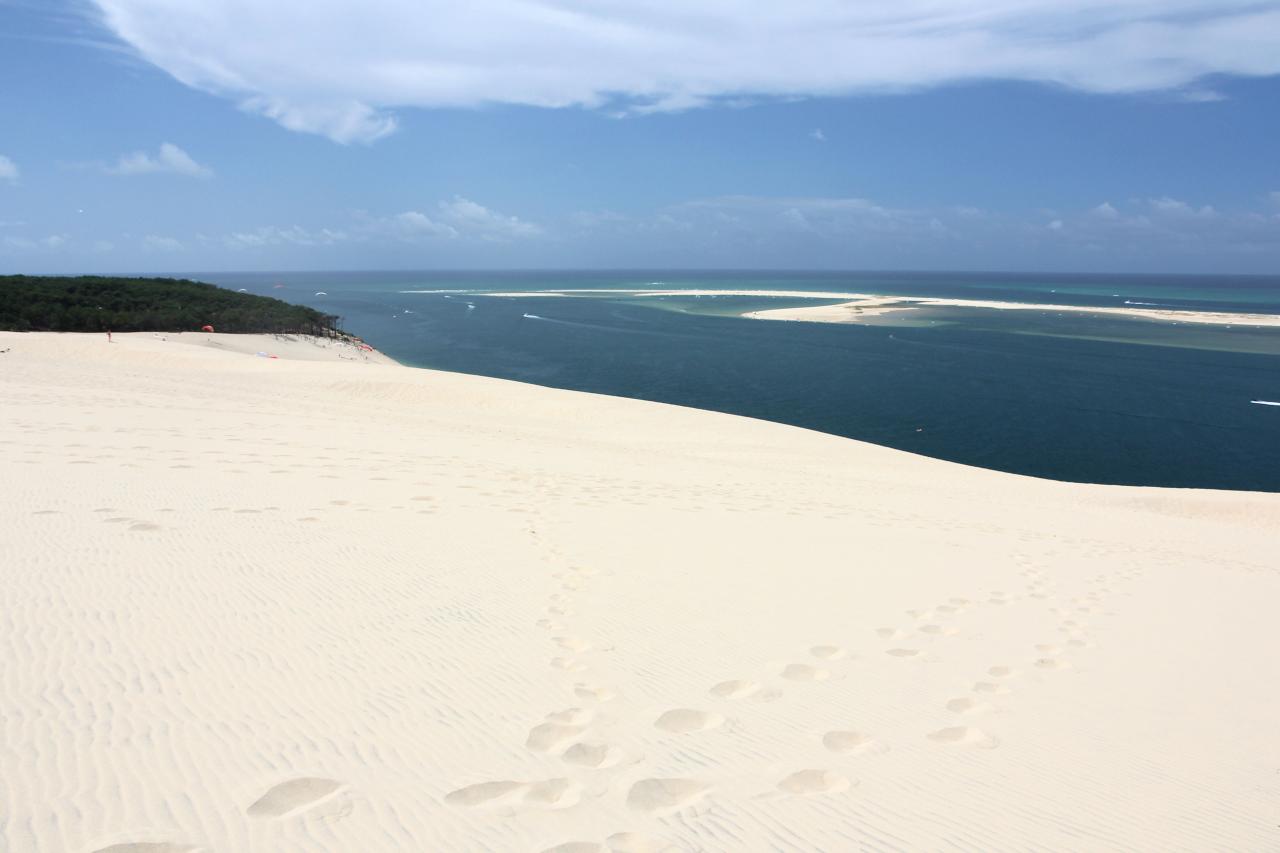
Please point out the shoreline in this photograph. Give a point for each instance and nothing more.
(855, 310)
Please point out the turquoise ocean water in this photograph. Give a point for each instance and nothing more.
(1079, 397)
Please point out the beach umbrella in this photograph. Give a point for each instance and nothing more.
(206, 328)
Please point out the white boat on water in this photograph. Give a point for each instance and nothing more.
(1265, 402)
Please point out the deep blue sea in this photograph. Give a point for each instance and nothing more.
(1081, 397)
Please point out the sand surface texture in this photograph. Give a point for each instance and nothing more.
(258, 604)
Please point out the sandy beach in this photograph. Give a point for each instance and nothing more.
(326, 602)
(856, 310)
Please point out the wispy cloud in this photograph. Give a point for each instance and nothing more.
(158, 243)
(857, 231)
(647, 55)
(13, 244)
(817, 135)
(170, 159)
(456, 218)
(293, 235)
(8, 170)
(476, 219)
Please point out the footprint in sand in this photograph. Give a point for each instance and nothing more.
(619, 842)
(552, 737)
(804, 672)
(902, 653)
(571, 717)
(552, 794)
(568, 664)
(1002, 672)
(809, 782)
(571, 644)
(143, 525)
(891, 633)
(548, 794)
(739, 688)
(595, 694)
(664, 796)
(1053, 663)
(990, 688)
(827, 652)
(684, 720)
(633, 842)
(846, 741)
(964, 736)
(485, 793)
(293, 796)
(594, 755)
(965, 705)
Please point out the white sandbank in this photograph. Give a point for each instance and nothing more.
(260, 604)
(862, 307)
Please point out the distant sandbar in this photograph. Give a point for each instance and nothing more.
(863, 308)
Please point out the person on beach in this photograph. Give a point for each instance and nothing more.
(108, 336)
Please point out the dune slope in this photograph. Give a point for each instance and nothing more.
(297, 605)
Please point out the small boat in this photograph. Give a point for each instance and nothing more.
(1265, 402)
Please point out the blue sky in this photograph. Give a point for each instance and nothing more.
(227, 136)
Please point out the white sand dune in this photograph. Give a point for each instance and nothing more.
(261, 604)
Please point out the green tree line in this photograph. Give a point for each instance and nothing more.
(101, 303)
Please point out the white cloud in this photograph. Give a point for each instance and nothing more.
(337, 68)
(51, 243)
(170, 159)
(1105, 211)
(412, 225)
(1174, 207)
(478, 220)
(156, 243)
(597, 218)
(271, 235)
(458, 218)
(817, 135)
(8, 169)
(16, 244)
(748, 218)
